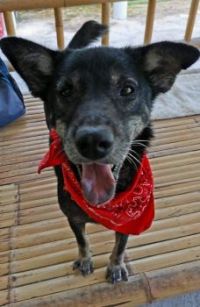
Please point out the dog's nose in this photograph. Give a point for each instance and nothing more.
(94, 143)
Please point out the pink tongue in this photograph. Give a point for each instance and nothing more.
(98, 183)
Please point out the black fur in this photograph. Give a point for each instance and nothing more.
(85, 88)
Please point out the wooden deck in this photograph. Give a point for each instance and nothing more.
(37, 247)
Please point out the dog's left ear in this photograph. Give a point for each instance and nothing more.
(161, 62)
(33, 62)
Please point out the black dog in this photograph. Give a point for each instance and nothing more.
(99, 100)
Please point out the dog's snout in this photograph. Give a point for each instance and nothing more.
(94, 143)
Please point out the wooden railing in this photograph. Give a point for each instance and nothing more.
(15, 5)
(7, 6)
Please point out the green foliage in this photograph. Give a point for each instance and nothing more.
(132, 3)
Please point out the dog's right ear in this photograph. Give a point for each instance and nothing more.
(162, 61)
(33, 62)
(88, 33)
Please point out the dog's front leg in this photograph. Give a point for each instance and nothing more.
(77, 219)
(116, 270)
(84, 262)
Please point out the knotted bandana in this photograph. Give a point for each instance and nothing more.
(129, 212)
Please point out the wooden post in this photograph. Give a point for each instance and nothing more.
(59, 27)
(191, 19)
(9, 23)
(105, 17)
(149, 21)
(16, 5)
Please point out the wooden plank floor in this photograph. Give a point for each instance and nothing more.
(37, 247)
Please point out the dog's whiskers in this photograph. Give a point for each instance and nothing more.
(132, 155)
(138, 143)
(134, 152)
(140, 140)
(131, 161)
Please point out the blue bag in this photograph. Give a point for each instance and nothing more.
(11, 100)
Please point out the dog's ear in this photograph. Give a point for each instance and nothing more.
(161, 62)
(33, 62)
(88, 33)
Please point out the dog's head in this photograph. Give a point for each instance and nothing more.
(98, 99)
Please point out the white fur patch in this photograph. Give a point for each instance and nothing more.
(152, 60)
(136, 125)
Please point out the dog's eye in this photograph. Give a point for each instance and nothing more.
(67, 90)
(127, 90)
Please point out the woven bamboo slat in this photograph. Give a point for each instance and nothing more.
(21, 159)
(179, 159)
(134, 253)
(38, 202)
(60, 270)
(4, 297)
(37, 247)
(172, 151)
(61, 232)
(137, 290)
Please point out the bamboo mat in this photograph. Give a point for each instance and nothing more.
(37, 247)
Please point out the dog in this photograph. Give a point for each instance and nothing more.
(99, 100)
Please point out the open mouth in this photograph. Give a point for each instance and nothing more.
(98, 183)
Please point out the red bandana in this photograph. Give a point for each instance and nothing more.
(129, 212)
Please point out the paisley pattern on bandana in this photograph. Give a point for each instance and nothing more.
(129, 212)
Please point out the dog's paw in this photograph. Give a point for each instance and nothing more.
(116, 273)
(84, 265)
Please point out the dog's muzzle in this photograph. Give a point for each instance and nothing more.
(97, 180)
(94, 142)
